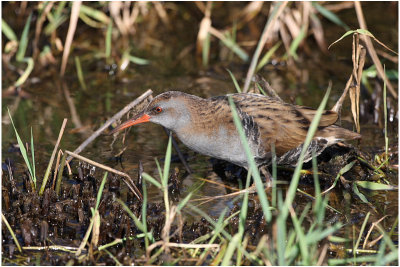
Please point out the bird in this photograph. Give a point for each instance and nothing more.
(207, 127)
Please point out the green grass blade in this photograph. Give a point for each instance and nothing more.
(51, 27)
(150, 179)
(375, 186)
(296, 42)
(267, 56)
(359, 194)
(144, 214)
(22, 148)
(183, 202)
(7, 31)
(26, 72)
(252, 163)
(23, 43)
(33, 158)
(232, 45)
(235, 82)
(233, 244)
(330, 15)
(80, 73)
(164, 180)
(103, 182)
(94, 13)
(296, 175)
(361, 233)
(301, 239)
(138, 60)
(4, 219)
(137, 222)
(167, 162)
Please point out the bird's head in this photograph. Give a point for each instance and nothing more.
(169, 109)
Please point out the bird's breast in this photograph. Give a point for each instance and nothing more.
(218, 142)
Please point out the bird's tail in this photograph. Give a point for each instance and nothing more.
(338, 134)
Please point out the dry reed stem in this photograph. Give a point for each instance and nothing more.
(161, 12)
(374, 224)
(204, 29)
(56, 168)
(266, 32)
(53, 247)
(76, 5)
(53, 154)
(110, 121)
(179, 245)
(322, 255)
(74, 114)
(371, 49)
(135, 191)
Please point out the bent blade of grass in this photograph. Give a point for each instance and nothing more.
(8, 31)
(235, 82)
(359, 194)
(113, 257)
(151, 180)
(138, 60)
(296, 175)
(252, 164)
(57, 22)
(267, 56)
(136, 220)
(341, 172)
(23, 152)
(23, 43)
(27, 71)
(94, 13)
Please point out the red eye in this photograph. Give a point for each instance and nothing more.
(158, 109)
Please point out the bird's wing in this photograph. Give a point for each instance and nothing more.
(278, 123)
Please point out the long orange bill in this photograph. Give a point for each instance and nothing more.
(135, 120)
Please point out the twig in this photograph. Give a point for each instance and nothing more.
(268, 27)
(110, 121)
(130, 184)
